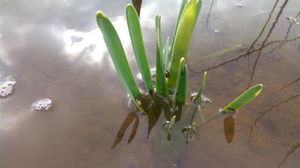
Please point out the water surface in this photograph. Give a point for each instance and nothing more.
(53, 49)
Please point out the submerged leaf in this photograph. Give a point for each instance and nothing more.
(118, 55)
(128, 120)
(152, 108)
(229, 128)
(243, 99)
(161, 82)
(137, 42)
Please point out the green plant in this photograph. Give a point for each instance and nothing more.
(243, 99)
(166, 60)
(118, 55)
(183, 34)
(171, 87)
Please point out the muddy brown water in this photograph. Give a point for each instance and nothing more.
(54, 49)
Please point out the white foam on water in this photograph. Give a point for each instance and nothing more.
(7, 86)
(42, 104)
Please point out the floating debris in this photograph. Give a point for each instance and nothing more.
(7, 86)
(292, 20)
(42, 104)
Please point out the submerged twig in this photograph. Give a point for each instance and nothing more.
(219, 114)
(269, 110)
(292, 149)
(218, 53)
(289, 84)
(265, 41)
(264, 27)
(210, 9)
(241, 56)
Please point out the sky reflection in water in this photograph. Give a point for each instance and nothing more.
(54, 49)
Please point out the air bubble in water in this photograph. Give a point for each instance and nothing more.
(42, 104)
(7, 86)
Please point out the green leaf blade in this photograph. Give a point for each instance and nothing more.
(182, 39)
(182, 84)
(137, 42)
(161, 82)
(201, 89)
(243, 99)
(118, 55)
(198, 6)
(166, 53)
(183, 4)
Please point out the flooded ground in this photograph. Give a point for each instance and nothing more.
(54, 51)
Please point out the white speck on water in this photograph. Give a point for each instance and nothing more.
(292, 20)
(7, 86)
(42, 104)
(240, 4)
(217, 31)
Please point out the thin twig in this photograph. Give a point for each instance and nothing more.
(269, 110)
(210, 9)
(241, 56)
(292, 149)
(289, 84)
(265, 41)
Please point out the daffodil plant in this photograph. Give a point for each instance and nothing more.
(171, 76)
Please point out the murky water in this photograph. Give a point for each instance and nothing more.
(53, 49)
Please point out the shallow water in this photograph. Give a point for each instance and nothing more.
(54, 50)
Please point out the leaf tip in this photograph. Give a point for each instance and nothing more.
(100, 14)
(130, 8)
(260, 87)
(129, 5)
(182, 60)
